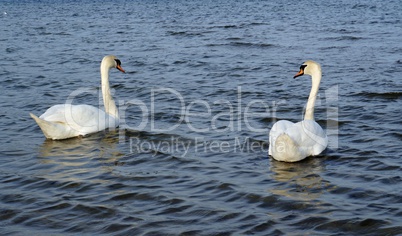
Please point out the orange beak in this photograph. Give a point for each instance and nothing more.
(301, 72)
(120, 69)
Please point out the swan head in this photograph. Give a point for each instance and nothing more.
(309, 68)
(111, 61)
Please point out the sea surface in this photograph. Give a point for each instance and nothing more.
(204, 83)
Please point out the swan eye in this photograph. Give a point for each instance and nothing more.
(118, 62)
(302, 67)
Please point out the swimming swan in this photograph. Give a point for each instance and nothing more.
(292, 142)
(66, 120)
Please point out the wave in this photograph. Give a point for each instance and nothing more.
(243, 44)
(382, 95)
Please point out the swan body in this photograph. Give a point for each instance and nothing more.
(291, 142)
(66, 120)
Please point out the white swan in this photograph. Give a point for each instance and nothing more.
(66, 121)
(292, 142)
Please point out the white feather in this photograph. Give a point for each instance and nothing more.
(291, 142)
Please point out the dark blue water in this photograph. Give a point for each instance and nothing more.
(205, 82)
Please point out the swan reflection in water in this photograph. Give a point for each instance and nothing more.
(81, 164)
(300, 181)
(79, 151)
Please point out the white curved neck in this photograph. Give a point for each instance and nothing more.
(316, 79)
(110, 106)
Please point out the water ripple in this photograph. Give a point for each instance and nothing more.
(225, 55)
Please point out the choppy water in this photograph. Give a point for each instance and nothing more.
(229, 65)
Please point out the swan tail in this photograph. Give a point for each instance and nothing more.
(286, 149)
(48, 128)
